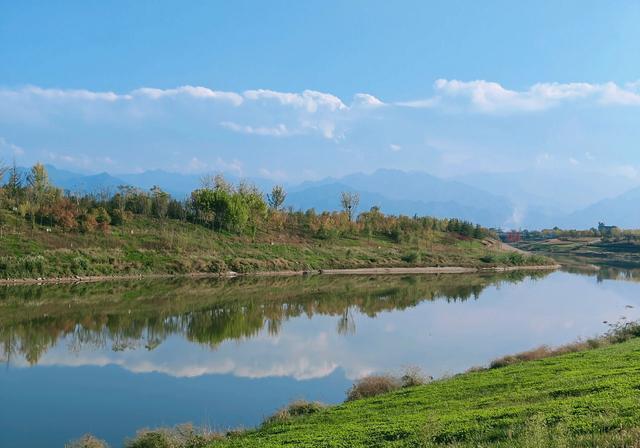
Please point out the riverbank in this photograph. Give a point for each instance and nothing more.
(153, 248)
(231, 274)
(587, 252)
(584, 398)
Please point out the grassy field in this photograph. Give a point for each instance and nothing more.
(149, 246)
(589, 398)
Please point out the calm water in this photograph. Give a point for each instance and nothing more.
(115, 357)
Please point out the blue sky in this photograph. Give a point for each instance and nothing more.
(301, 90)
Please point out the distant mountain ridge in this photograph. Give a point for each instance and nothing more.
(622, 211)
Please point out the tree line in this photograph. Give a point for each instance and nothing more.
(217, 204)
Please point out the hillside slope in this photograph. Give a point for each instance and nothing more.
(587, 398)
(150, 246)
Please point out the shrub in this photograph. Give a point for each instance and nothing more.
(295, 409)
(620, 332)
(489, 258)
(87, 441)
(217, 266)
(412, 257)
(545, 351)
(181, 436)
(373, 385)
(414, 376)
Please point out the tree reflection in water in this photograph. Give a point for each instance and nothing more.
(130, 315)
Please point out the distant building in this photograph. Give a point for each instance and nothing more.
(513, 236)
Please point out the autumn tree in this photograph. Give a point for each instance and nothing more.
(349, 202)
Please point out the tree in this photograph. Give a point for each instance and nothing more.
(215, 182)
(14, 185)
(349, 202)
(277, 197)
(40, 190)
(160, 204)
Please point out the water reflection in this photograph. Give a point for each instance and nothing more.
(114, 357)
(135, 315)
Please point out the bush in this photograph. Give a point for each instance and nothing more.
(295, 409)
(87, 441)
(373, 385)
(181, 436)
(620, 332)
(489, 258)
(412, 257)
(413, 376)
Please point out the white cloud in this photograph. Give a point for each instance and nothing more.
(273, 174)
(279, 130)
(8, 147)
(491, 97)
(366, 100)
(79, 161)
(310, 100)
(190, 91)
(234, 166)
(573, 161)
(395, 148)
(63, 94)
(628, 171)
(196, 165)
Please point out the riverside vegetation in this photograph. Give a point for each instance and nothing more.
(221, 227)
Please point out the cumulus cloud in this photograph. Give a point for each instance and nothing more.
(279, 130)
(364, 99)
(201, 121)
(492, 97)
(310, 100)
(189, 91)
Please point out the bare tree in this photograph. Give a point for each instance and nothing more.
(349, 202)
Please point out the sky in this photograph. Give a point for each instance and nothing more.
(293, 91)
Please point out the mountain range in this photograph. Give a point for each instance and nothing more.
(506, 200)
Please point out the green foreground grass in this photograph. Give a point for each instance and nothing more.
(589, 398)
(151, 246)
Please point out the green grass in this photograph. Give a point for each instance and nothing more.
(588, 398)
(149, 246)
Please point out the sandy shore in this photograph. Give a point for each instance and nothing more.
(357, 271)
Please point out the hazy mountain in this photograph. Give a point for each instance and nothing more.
(407, 193)
(327, 197)
(622, 211)
(555, 192)
(417, 186)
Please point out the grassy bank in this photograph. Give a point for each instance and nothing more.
(587, 398)
(152, 246)
(587, 251)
